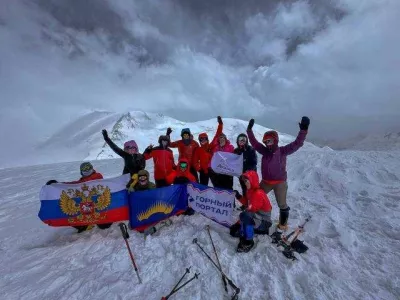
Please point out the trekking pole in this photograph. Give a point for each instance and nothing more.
(125, 235)
(297, 231)
(219, 264)
(237, 290)
(196, 275)
(173, 289)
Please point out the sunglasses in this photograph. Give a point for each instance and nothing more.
(130, 148)
(183, 165)
(242, 140)
(203, 139)
(143, 178)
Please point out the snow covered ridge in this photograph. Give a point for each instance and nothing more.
(145, 128)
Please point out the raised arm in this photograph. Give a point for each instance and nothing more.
(171, 144)
(299, 141)
(260, 148)
(113, 146)
(219, 130)
(148, 152)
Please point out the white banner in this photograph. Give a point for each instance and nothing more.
(227, 163)
(216, 205)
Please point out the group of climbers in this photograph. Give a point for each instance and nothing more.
(194, 165)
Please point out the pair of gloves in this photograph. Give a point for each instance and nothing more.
(219, 119)
(305, 122)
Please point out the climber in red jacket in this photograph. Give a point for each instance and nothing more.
(203, 154)
(186, 148)
(163, 159)
(257, 212)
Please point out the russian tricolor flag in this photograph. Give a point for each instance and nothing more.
(92, 202)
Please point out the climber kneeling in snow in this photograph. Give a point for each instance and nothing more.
(257, 213)
(182, 175)
(88, 173)
(163, 159)
(134, 161)
(273, 164)
(140, 182)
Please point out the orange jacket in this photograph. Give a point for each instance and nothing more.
(185, 151)
(179, 173)
(203, 154)
(163, 161)
(255, 198)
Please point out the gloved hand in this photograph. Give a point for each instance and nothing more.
(305, 122)
(105, 134)
(131, 189)
(51, 182)
(242, 208)
(169, 130)
(219, 120)
(251, 124)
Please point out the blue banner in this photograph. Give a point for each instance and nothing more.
(152, 206)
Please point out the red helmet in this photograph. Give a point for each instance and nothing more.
(271, 134)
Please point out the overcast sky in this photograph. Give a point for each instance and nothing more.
(336, 61)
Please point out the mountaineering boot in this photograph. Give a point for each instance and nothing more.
(283, 219)
(263, 228)
(245, 245)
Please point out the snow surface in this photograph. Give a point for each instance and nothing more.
(354, 240)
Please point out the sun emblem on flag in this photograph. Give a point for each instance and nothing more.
(88, 210)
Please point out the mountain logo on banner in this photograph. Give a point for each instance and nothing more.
(157, 207)
(88, 209)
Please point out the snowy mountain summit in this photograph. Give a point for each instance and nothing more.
(82, 138)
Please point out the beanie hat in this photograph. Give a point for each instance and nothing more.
(203, 135)
(86, 169)
(131, 144)
(163, 138)
(185, 130)
(143, 173)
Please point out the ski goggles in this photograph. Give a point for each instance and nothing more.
(183, 165)
(269, 141)
(242, 139)
(86, 168)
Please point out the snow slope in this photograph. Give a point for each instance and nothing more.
(353, 237)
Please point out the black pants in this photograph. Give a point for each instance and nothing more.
(204, 177)
(194, 173)
(161, 183)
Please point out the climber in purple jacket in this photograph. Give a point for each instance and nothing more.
(273, 164)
